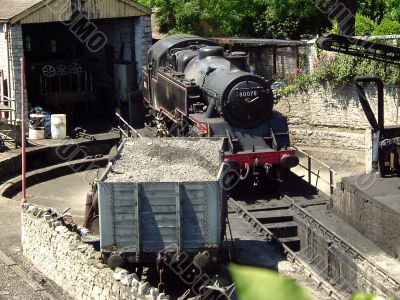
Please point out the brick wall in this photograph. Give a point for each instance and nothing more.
(120, 33)
(16, 53)
(16, 48)
(143, 42)
(136, 37)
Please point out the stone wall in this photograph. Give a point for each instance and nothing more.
(75, 266)
(371, 206)
(333, 117)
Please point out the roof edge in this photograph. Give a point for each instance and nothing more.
(138, 6)
(27, 11)
(143, 9)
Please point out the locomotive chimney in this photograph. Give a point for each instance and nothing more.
(238, 59)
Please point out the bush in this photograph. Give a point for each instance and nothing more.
(364, 25)
(387, 27)
(338, 69)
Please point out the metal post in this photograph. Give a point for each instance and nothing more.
(1, 86)
(331, 181)
(23, 140)
(274, 62)
(309, 168)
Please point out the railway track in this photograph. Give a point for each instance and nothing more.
(39, 290)
(273, 222)
(276, 221)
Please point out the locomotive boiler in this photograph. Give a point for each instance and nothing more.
(194, 88)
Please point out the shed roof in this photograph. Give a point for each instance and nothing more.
(41, 11)
(256, 42)
(11, 8)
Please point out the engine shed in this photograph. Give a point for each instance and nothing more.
(83, 58)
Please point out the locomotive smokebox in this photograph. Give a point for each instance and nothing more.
(244, 100)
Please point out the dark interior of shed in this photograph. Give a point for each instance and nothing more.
(64, 77)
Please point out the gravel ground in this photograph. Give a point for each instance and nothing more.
(54, 291)
(167, 159)
(13, 287)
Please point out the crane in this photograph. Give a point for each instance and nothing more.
(386, 144)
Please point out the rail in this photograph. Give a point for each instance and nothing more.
(292, 256)
(315, 225)
(317, 174)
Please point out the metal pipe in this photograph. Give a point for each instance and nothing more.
(23, 140)
(127, 124)
(8, 37)
(3, 115)
(331, 186)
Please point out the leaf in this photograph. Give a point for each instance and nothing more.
(262, 284)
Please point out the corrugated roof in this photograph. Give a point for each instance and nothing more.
(21, 10)
(255, 41)
(11, 8)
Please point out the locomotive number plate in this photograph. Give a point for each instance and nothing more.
(248, 94)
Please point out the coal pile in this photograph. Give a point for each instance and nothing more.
(167, 160)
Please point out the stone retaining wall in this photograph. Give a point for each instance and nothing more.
(327, 117)
(75, 266)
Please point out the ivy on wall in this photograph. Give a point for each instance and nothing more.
(338, 69)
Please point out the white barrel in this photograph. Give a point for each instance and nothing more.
(36, 126)
(36, 134)
(58, 127)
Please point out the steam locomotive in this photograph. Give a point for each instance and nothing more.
(194, 88)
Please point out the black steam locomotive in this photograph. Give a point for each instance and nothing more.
(194, 88)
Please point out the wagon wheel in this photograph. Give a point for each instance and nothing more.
(49, 71)
(62, 69)
(75, 68)
(94, 225)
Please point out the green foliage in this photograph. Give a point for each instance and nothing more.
(392, 10)
(364, 25)
(256, 284)
(387, 27)
(339, 69)
(262, 284)
(373, 9)
(259, 18)
(380, 9)
(288, 19)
